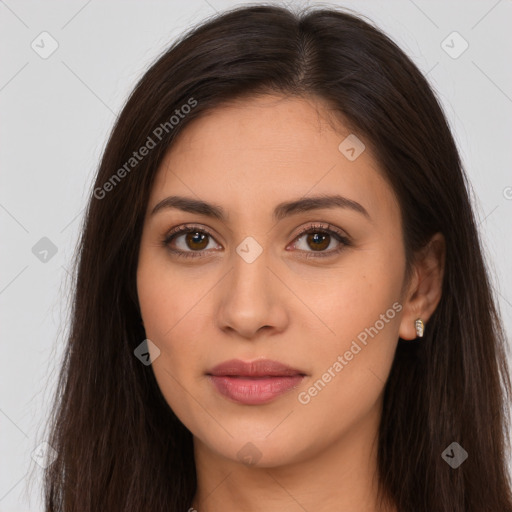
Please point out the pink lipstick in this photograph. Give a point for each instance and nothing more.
(254, 383)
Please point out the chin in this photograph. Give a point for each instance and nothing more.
(256, 450)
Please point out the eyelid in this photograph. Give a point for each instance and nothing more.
(326, 226)
(184, 228)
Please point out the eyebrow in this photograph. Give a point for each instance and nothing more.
(281, 211)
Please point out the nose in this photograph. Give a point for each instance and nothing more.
(252, 300)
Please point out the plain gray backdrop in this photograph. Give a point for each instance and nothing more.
(67, 68)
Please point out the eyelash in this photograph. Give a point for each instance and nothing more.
(325, 230)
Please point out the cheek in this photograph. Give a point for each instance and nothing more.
(169, 299)
(356, 295)
(172, 305)
(170, 321)
(350, 369)
(360, 315)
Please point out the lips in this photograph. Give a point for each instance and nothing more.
(258, 368)
(254, 383)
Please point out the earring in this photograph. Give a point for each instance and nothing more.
(419, 327)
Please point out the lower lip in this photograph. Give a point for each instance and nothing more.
(255, 391)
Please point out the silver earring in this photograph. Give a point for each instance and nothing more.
(419, 327)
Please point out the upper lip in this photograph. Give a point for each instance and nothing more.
(258, 368)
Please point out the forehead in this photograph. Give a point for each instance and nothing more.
(257, 152)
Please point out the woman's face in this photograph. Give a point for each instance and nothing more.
(325, 303)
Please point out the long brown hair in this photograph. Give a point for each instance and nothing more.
(119, 445)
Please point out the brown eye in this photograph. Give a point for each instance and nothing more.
(314, 241)
(188, 241)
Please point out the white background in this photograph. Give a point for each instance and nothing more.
(56, 114)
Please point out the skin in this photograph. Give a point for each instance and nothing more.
(247, 157)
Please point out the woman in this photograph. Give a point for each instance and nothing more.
(281, 301)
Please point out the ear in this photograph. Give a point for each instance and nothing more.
(425, 289)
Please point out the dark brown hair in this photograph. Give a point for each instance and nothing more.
(119, 445)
